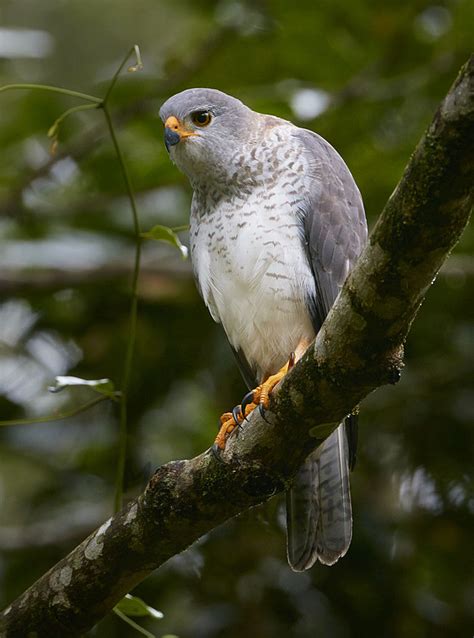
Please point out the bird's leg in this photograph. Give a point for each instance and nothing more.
(260, 396)
(231, 420)
(263, 397)
(228, 422)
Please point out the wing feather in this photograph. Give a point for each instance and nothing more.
(319, 511)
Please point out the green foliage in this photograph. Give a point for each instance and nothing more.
(102, 386)
(163, 233)
(134, 606)
(375, 74)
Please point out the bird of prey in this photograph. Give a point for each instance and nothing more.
(277, 223)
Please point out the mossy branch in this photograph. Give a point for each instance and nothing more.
(358, 349)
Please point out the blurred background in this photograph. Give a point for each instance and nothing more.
(368, 76)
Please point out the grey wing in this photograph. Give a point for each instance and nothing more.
(319, 513)
(335, 228)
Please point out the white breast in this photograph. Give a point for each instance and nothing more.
(252, 270)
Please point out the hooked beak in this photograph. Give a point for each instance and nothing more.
(175, 131)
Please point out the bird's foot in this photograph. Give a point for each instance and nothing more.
(228, 422)
(260, 396)
(257, 398)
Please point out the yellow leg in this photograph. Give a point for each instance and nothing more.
(227, 426)
(260, 397)
(262, 393)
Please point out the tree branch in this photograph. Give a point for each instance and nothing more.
(358, 349)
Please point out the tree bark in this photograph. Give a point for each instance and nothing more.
(358, 349)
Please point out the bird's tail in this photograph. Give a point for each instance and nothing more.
(318, 506)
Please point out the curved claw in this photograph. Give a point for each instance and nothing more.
(247, 400)
(262, 410)
(217, 453)
(237, 414)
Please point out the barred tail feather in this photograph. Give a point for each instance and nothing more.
(302, 517)
(319, 511)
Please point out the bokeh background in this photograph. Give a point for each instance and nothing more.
(366, 75)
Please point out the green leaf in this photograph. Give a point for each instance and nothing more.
(132, 623)
(133, 606)
(102, 386)
(163, 233)
(180, 229)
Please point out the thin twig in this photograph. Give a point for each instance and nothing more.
(83, 143)
(52, 89)
(73, 109)
(95, 102)
(127, 369)
(56, 417)
(115, 76)
(133, 624)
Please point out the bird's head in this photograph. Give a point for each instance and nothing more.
(203, 130)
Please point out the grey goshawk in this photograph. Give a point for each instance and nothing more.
(277, 223)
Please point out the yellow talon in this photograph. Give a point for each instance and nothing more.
(260, 397)
(227, 426)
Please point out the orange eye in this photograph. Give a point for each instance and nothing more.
(201, 118)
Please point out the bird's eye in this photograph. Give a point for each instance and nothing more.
(201, 118)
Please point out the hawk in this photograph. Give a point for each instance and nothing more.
(277, 223)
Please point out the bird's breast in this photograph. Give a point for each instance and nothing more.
(253, 273)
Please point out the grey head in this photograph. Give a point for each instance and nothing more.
(203, 129)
